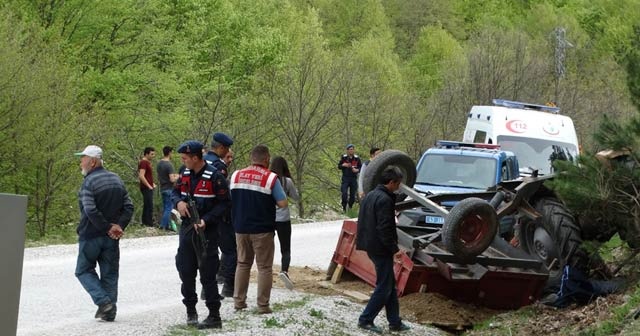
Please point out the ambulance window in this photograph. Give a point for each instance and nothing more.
(480, 136)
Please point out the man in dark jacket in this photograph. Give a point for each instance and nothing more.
(105, 211)
(378, 237)
(205, 186)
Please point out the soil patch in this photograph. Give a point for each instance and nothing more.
(456, 317)
(423, 308)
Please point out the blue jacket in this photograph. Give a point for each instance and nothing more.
(103, 200)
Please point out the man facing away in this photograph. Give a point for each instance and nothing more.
(220, 147)
(145, 175)
(350, 165)
(167, 178)
(255, 192)
(202, 184)
(105, 211)
(378, 237)
(373, 152)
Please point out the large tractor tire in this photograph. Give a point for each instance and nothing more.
(554, 238)
(469, 228)
(389, 158)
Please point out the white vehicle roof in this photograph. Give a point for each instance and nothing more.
(513, 125)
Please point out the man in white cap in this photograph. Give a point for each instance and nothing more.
(105, 211)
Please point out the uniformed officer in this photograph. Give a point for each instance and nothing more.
(220, 147)
(350, 165)
(208, 188)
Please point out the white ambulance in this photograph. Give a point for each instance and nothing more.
(537, 134)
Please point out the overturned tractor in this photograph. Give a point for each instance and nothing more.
(501, 248)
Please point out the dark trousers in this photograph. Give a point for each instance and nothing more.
(384, 295)
(229, 251)
(147, 207)
(106, 253)
(283, 230)
(348, 188)
(189, 260)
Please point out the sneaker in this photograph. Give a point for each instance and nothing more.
(192, 318)
(211, 322)
(284, 276)
(110, 316)
(370, 327)
(401, 327)
(103, 309)
(264, 310)
(227, 291)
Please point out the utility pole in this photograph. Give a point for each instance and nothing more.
(560, 46)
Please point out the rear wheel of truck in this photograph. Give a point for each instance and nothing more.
(553, 238)
(389, 158)
(469, 228)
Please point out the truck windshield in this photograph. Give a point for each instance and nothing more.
(538, 153)
(457, 171)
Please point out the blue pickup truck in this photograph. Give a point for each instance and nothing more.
(460, 167)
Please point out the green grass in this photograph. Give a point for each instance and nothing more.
(619, 320)
(184, 331)
(273, 322)
(291, 304)
(316, 313)
(68, 235)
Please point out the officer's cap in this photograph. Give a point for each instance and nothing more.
(350, 146)
(223, 139)
(190, 147)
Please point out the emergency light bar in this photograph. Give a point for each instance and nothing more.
(529, 106)
(458, 144)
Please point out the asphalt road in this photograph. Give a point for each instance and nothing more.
(54, 303)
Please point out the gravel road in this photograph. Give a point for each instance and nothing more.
(149, 303)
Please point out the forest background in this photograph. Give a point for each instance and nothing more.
(304, 77)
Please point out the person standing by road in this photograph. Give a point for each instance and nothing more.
(372, 154)
(228, 159)
(255, 192)
(167, 178)
(350, 165)
(220, 146)
(145, 175)
(283, 217)
(208, 190)
(105, 212)
(378, 237)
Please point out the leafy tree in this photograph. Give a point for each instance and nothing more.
(604, 190)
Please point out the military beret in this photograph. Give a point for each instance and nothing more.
(223, 139)
(190, 147)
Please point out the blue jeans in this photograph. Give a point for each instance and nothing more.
(106, 252)
(384, 295)
(166, 209)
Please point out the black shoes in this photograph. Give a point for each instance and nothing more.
(110, 316)
(401, 327)
(211, 322)
(370, 327)
(104, 309)
(192, 318)
(227, 291)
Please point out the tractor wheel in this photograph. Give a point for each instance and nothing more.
(469, 228)
(389, 158)
(554, 238)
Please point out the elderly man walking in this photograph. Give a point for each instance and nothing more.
(255, 192)
(105, 211)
